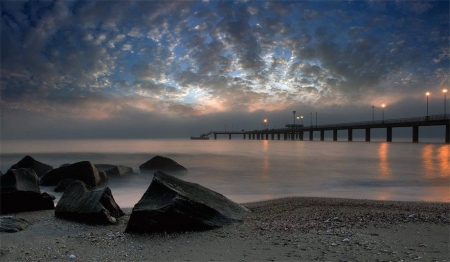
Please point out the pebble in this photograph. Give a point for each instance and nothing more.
(72, 256)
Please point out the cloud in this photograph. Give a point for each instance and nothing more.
(95, 60)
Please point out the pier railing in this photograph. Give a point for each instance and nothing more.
(379, 122)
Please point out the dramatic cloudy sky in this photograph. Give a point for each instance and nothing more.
(137, 69)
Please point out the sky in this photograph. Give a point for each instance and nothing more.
(162, 69)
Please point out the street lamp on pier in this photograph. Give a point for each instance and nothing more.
(427, 94)
(373, 114)
(265, 122)
(294, 116)
(301, 120)
(445, 101)
(383, 106)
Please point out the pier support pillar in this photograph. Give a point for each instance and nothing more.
(301, 135)
(415, 134)
(229, 136)
(285, 136)
(215, 136)
(293, 135)
(273, 136)
(350, 135)
(447, 133)
(311, 135)
(388, 134)
(258, 136)
(267, 136)
(334, 135)
(367, 134)
(244, 136)
(278, 136)
(322, 135)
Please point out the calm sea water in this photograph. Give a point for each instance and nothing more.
(252, 170)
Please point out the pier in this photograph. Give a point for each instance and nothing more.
(296, 132)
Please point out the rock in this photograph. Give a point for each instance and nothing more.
(173, 205)
(29, 162)
(22, 179)
(84, 171)
(20, 192)
(63, 185)
(162, 164)
(103, 176)
(115, 170)
(78, 203)
(12, 224)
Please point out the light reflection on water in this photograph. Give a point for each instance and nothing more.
(250, 170)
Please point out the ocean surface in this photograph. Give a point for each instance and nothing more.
(253, 170)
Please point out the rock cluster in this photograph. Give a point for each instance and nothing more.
(169, 204)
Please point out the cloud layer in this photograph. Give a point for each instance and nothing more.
(115, 60)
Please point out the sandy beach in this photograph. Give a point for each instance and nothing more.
(289, 229)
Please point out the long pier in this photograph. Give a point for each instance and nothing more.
(296, 132)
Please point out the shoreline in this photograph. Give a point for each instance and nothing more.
(284, 229)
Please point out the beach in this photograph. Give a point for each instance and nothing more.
(285, 229)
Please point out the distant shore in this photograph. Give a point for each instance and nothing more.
(287, 229)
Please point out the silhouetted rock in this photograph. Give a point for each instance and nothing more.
(12, 224)
(78, 203)
(63, 184)
(84, 171)
(171, 204)
(20, 192)
(28, 162)
(22, 179)
(163, 164)
(115, 170)
(103, 176)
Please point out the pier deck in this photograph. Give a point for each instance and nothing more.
(296, 132)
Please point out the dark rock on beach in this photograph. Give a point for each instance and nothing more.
(10, 224)
(97, 206)
(173, 205)
(29, 162)
(20, 192)
(84, 171)
(61, 187)
(115, 170)
(163, 164)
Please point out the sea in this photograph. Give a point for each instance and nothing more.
(256, 170)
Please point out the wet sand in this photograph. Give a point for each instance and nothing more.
(289, 229)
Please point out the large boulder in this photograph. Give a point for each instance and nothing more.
(84, 171)
(78, 203)
(173, 205)
(29, 162)
(20, 192)
(115, 170)
(163, 164)
(10, 224)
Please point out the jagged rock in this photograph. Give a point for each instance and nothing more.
(171, 204)
(163, 164)
(22, 179)
(78, 203)
(29, 162)
(61, 187)
(115, 170)
(103, 176)
(12, 224)
(84, 171)
(20, 192)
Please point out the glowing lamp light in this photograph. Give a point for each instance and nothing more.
(444, 91)
(427, 93)
(383, 105)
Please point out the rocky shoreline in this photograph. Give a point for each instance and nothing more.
(289, 229)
